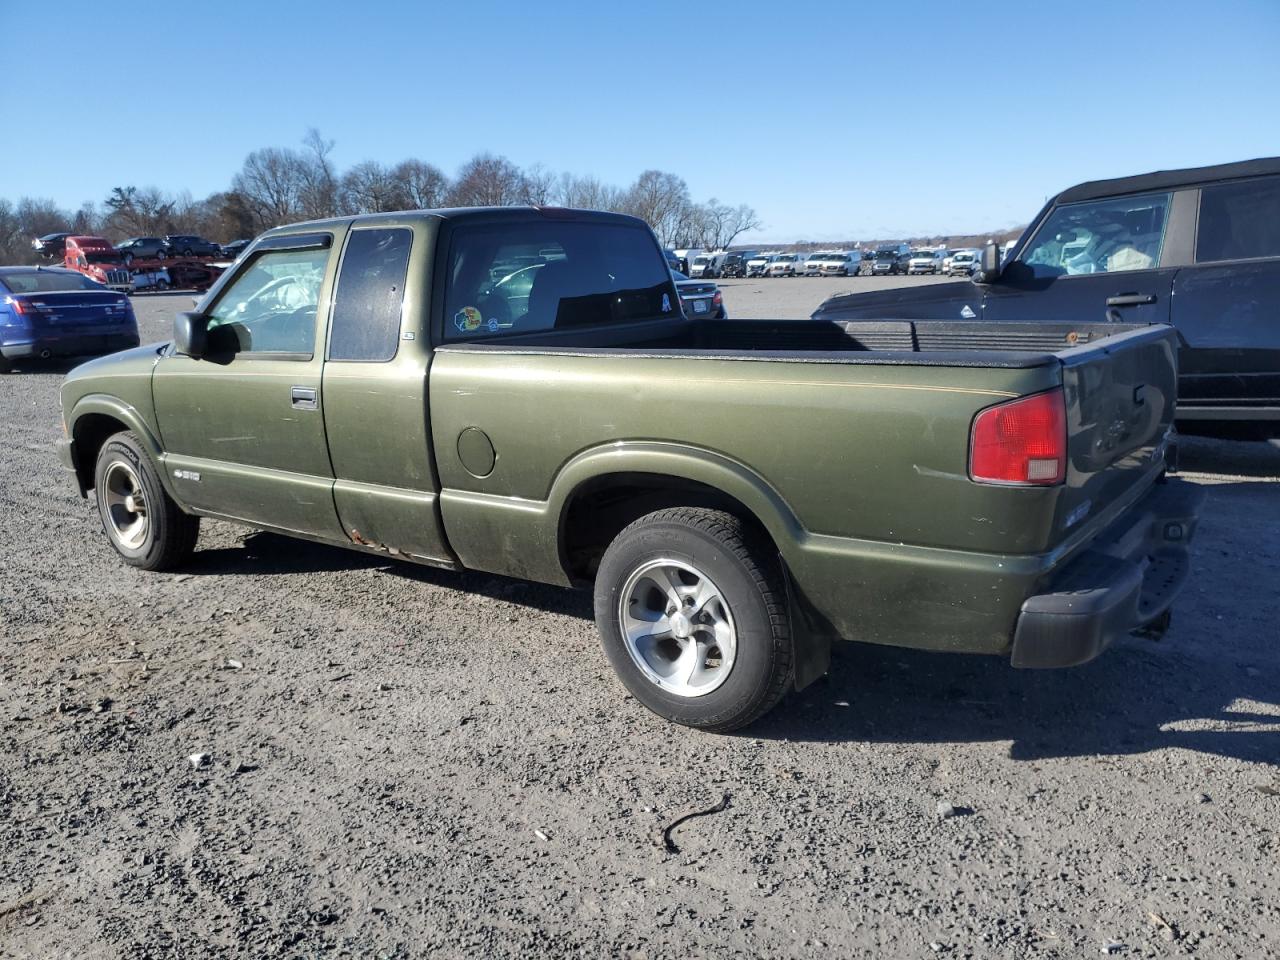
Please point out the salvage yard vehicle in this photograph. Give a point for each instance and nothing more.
(143, 248)
(53, 312)
(1198, 248)
(758, 266)
(51, 246)
(366, 382)
(888, 261)
(840, 264)
(735, 264)
(188, 245)
(706, 266)
(98, 260)
(701, 299)
(963, 263)
(813, 263)
(785, 265)
(922, 262)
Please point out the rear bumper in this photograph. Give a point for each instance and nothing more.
(77, 345)
(1128, 578)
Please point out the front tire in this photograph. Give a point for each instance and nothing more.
(691, 608)
(141, 520)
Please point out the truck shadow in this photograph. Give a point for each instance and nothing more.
(1241, 458)
(270, 554)
(1139, 696)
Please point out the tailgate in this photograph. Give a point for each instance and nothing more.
(1121, 393)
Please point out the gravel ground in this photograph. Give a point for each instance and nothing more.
(403, 761)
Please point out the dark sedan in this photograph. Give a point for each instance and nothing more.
(51, 312)
(143, 248)
(51, 246)
(235, 248)
(187, 245)
(701, 299)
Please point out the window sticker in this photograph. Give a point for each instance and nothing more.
(467, 319)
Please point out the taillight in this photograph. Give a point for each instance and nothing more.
(718, 298)
(1021, 442)
(26, 308)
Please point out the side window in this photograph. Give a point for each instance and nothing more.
(370, 293)
(271, 306)
(525, 277)
(1099, 236)
(1239, 221)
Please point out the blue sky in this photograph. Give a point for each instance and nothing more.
(834, 120)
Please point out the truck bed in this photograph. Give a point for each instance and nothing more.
(914, 342)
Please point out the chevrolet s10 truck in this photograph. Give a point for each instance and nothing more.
(518, 391)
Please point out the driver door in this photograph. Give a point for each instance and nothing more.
(242, 427)
(1095, 261)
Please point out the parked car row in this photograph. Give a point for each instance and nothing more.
(53, 246)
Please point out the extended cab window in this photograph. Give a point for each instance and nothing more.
(1239, 221)
(366, 311)
(271, 306)
(524, 277)
(1100, 236)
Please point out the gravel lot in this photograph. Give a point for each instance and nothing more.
(406, 761)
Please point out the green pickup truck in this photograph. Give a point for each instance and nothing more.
(518, 391)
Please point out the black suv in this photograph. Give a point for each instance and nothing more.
(182, 245)
(735, 264)
(1196, 248)
(143, 248)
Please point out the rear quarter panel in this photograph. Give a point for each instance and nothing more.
(859, 471)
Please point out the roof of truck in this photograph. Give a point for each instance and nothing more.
(1167, 179)
(461, 213)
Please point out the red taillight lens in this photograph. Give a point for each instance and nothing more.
(718, 298)
(26, 307)
(1021, 442)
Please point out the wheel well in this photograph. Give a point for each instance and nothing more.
(601, 508)
(90, 433)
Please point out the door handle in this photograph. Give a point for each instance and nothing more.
(1131, 299)
(304, 398)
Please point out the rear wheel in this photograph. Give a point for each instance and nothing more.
(141, 520)
(690, 605)
(187, 252)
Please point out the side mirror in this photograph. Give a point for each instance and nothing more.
(191, 334)
(989, 269)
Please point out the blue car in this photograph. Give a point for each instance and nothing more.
(52, 312)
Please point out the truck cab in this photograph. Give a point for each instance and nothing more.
(97, 259)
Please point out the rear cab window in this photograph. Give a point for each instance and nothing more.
(519, 278)
(1239, 221)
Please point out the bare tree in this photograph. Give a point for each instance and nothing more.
(272, 182)
(588, 193)
(722, 224)
(319, 195)
(422, 185)
(488, 181)
(369, 187)
(539, 186)
(661, 200)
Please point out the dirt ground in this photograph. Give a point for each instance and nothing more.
(404, 762)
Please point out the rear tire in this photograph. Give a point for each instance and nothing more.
(691, 608)
(141, 520)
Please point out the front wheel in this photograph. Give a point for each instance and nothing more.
(690, 605)
(141, 520)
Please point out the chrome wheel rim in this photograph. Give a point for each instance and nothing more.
(126, 505)
(678, 628)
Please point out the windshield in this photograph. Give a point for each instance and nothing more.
(701, 260)
(102, 256)
(962, 257)
(46, 281)
(886, 254)
(787, 258)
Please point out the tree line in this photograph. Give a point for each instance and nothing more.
(278, 185)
